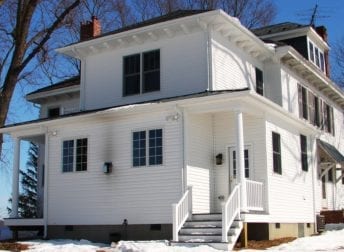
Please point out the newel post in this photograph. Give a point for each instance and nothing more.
(190, 202)
(175, 222)
(224, 222)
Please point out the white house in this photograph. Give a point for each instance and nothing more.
(188, 127)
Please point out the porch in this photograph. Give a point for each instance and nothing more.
(16, 222)
(225, 172)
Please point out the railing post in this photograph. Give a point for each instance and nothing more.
(175, 222)
(190, 202)
(224, 222)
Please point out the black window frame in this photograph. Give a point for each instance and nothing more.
(330, 175)
(259, 82)
(139, 68)
(276, 153)
(304, 153)
(75, 155)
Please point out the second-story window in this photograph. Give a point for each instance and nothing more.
(276, 153)
(302, 97)
(141, 73)
(259, 82)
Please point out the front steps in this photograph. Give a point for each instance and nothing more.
(206, 229)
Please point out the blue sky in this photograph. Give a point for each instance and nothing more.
(331, 13)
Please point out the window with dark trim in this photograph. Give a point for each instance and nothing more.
(276, 152)
(147, 152)
(74, 155)
(302, 98)
(53, 112)
(141, 73)
(304, 156)
(316, 112)
(151, 71)
(343, 177)
(259, 82)
(246, 160)
(330, 175)
(323, 187)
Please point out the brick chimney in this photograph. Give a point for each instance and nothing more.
(90, 29)
(322, 32)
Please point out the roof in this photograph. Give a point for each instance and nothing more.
(332, 151)
(160, 19)
(162, 100)
(276, 28)
(74, 81)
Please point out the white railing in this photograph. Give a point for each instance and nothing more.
(230, 210)
(254, 192)
(181, 212)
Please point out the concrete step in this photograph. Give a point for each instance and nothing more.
(202, 224)
(213, 216)
(216, 245)
(197, 230)
(203, 238)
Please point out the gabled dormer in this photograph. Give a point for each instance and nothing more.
(309, 41)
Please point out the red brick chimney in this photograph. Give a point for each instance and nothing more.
(90, 29)
(322, 32)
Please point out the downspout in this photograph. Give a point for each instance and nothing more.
(185, 149)
(46, 169)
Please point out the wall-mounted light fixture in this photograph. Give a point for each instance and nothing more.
(219, 159)
(107, 167)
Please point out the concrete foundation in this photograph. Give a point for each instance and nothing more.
(271, 231)
(111, 233)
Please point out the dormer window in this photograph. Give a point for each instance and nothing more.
(316, 56)
(141, 73)
(54, 112)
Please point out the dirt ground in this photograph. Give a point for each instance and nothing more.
(13, 246)
(265, 244)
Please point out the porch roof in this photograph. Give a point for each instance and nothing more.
(331, 151)
(204, 102)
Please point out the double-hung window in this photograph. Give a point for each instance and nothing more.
(74, 155)
(141, 73)
(147, 147)
(316, 56)
(302, 97)
(276, 153)
(304, 157)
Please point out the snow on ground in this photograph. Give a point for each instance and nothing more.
(329, 241)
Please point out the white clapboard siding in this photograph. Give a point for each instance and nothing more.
(142, 195)
(200, 162)
(183, 70)
(232, 67)
(290, 194)
(225, 135)
(66, 105)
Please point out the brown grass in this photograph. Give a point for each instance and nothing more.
(13, 246)
(265, 244)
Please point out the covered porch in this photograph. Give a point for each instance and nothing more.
(17, 221)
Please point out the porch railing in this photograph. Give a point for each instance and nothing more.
(230, 210)
(181, 212)
(254, 192)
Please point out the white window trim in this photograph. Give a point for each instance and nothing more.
(147, 147)
(316, 56)
(74, 154)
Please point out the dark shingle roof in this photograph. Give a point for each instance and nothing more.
(276, 28)
(331, 151)
(74, 81)
(160, 19)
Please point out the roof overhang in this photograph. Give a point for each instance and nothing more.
(216, 20)
(294, 33)
(40, 97)
(290, 57)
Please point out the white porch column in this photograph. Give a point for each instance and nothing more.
(15, 178)
(241, 160)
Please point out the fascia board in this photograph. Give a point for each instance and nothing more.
(45, 94)
(282, 51)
